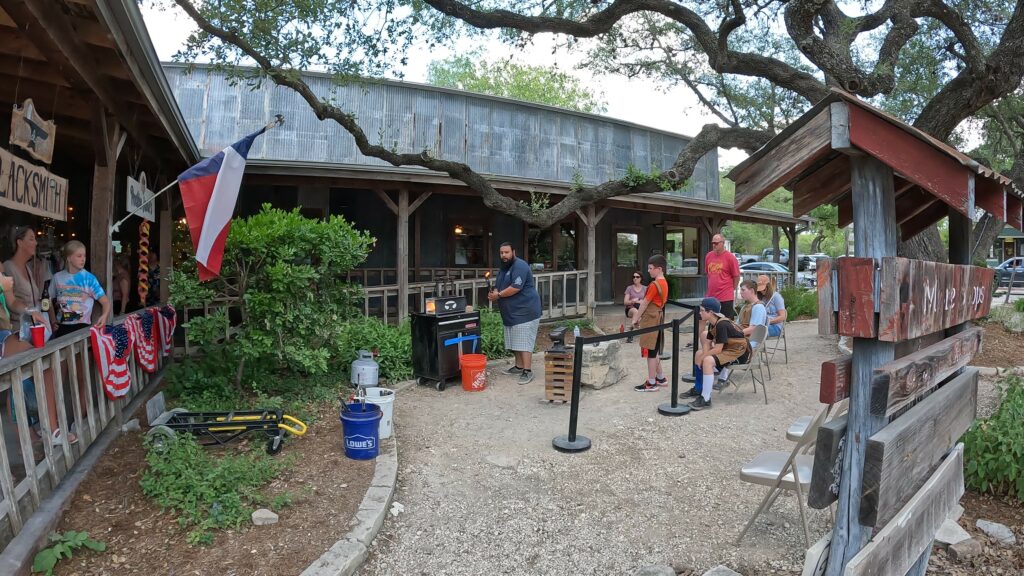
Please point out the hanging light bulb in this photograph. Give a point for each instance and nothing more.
(458, 230)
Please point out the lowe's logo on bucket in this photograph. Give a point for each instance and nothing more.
(360, 442)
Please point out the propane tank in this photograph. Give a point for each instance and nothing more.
(364, 370)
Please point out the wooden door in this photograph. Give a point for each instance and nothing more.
(626, 261)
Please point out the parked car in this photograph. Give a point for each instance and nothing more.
(763, 267)
(745, 258)
(768, 255)
(1011, 268)
(813, 265)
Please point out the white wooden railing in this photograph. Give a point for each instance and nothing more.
(562, 294)
(30, 474)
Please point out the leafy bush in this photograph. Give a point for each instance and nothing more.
(1008, 316)
(1018, 305)
(286, 274)
(800, 302)
(492, 332)
(206, 493)
(994, 446)
(63, 545)
(394, 344)
(574, 322)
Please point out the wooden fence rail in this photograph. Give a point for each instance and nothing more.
(29, 471)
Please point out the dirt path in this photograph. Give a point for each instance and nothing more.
(484, 492)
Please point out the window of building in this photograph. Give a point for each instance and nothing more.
(682, 244)
(539, 248)
(567, 246)
(470, 245)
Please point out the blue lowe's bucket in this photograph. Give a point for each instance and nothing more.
(359, 424)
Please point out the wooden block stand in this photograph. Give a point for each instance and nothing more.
(558, 376)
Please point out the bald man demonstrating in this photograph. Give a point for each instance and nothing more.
(723, 275)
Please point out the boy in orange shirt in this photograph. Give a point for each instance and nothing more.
(652, 313)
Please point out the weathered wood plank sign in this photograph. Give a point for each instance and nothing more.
(32, 133)
(896, 548)
(857, 297)
(835, 380)
(919, 297)
(899, 382)
(896, 384)
(30, 188)
(900, 456)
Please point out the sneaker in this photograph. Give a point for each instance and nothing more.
(719, 385)
(690, 378)
(691, 393)
(629, 340)
(700, 403)
(724, 374)
(661, 381)
(647, 387)
(525, 376)
(512, 370)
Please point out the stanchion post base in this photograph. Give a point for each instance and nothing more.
(689, 378)
(667, 409)
(562, 444)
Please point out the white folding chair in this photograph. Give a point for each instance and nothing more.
(796, 430)
(784, 471)
(776, 343)
(755, 362)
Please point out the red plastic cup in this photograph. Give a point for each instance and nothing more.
(38, 335)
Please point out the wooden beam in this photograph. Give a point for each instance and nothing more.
(896, 548)
(826, 452)
(591, 224)
(600, 214)
(419, 201)
(899, 383)
(840, 129)
(875, 237)
(402, 262)
(582, 217)
(912, 203)
(845, 206)
(901, 455)
(826, 310)
(916, 160)
(835, 379)
(791, 156)
(107, 140)
(935, 212)
(990, 196)
(1014, 211)
(823, 186)
(387, 200)
(857, 297)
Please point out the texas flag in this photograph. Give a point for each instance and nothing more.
(209, 192)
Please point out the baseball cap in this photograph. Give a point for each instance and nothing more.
(711, 305)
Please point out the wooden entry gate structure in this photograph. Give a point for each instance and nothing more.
(910, 394)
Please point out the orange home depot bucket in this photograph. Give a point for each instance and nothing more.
(474, 372)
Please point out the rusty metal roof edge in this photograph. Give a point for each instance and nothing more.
(431, 88)
(836, 95)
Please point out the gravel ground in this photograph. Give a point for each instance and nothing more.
(485, 493)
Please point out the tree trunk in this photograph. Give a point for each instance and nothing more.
(925, 246)
(816, 244)
(775, 244)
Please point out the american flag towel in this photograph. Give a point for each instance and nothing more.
(112, 346)
(167, 318)
(140, 326)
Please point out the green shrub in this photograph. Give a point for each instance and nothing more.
(994, 446)
(1018, 305)
(800, 302)
(582, 323)
(492, 333)
(63, 545)
(1008, 316)
(393, 343)
(206, 492)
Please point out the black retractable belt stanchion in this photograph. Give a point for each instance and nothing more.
(572, 442)
(691, 377)
(673, 408)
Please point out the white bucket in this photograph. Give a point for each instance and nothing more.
(384, 398)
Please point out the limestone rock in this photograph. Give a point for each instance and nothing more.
(965, 550)
(263, 517)
(655, 570)
(956, 513)
(950, 533)
(601, 366)
(997, 532)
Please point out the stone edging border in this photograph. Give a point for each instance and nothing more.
(347, 555)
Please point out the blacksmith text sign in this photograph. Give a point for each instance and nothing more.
(30, 188)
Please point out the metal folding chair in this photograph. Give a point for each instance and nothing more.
(755, 363)
(784, 471)
(777, 343)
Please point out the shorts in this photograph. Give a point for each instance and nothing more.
(522, 337)
(656, 351)
(631, 307)
(741, 360)
(774, 330)
(65, 329)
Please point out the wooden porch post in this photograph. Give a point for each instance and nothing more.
(166, 231)
(875, 236)
(794, 258)
(107, 143)
(402, 263)
(590, 220)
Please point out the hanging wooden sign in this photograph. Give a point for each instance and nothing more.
(140, 198)
(30, 188)
(32, 133)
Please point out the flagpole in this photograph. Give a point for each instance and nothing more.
(117, 225)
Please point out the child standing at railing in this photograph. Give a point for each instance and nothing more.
(74, 291)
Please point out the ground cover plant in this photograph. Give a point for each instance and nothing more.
(63, 545)
(1011, 317)
(800, 302)
(994, 446)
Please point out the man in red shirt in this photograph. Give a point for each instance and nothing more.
(723, 275)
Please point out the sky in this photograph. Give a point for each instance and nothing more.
(634, 100)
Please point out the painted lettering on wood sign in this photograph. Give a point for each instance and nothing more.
(30, 188)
